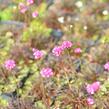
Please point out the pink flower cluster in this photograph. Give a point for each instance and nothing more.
(46, 72)
(57, 50)
(106, 66)
(77, 50)
(92, 88)
(23, 8)
(29, 2)
(90, 101)
(66, 44)
(9, 64)
(35, 14)
(37, 53)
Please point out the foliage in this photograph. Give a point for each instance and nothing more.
(6, 14)
(36, 29)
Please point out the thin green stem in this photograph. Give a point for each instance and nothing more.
(44, 94)
(68, 80)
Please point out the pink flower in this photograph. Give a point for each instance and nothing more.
(106, 66)
(37, 53)
(22, 8)
(66, 44)
(9, 64)
(77, 50)
(96, 86)
(35, 14)
(57, 50)
(92, 88)
(46, 72)
(29, 2)
(90, 101)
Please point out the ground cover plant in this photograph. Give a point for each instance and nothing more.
(54, 54)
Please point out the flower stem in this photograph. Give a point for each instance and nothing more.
(44, 94)
(68, 80)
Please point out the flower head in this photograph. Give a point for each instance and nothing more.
(57, 50)
(35, 14)
(46, 72)
(90, 101)
(37, 53)
(92, 88)
(9, 64)
(22, 7)
(96, 86)
(77, 50)
(29, 2)
(66, 44)
(106, 66)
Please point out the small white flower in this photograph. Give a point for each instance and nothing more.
(105, 12)
(61, 19)
(85, 27)
(79, 4)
